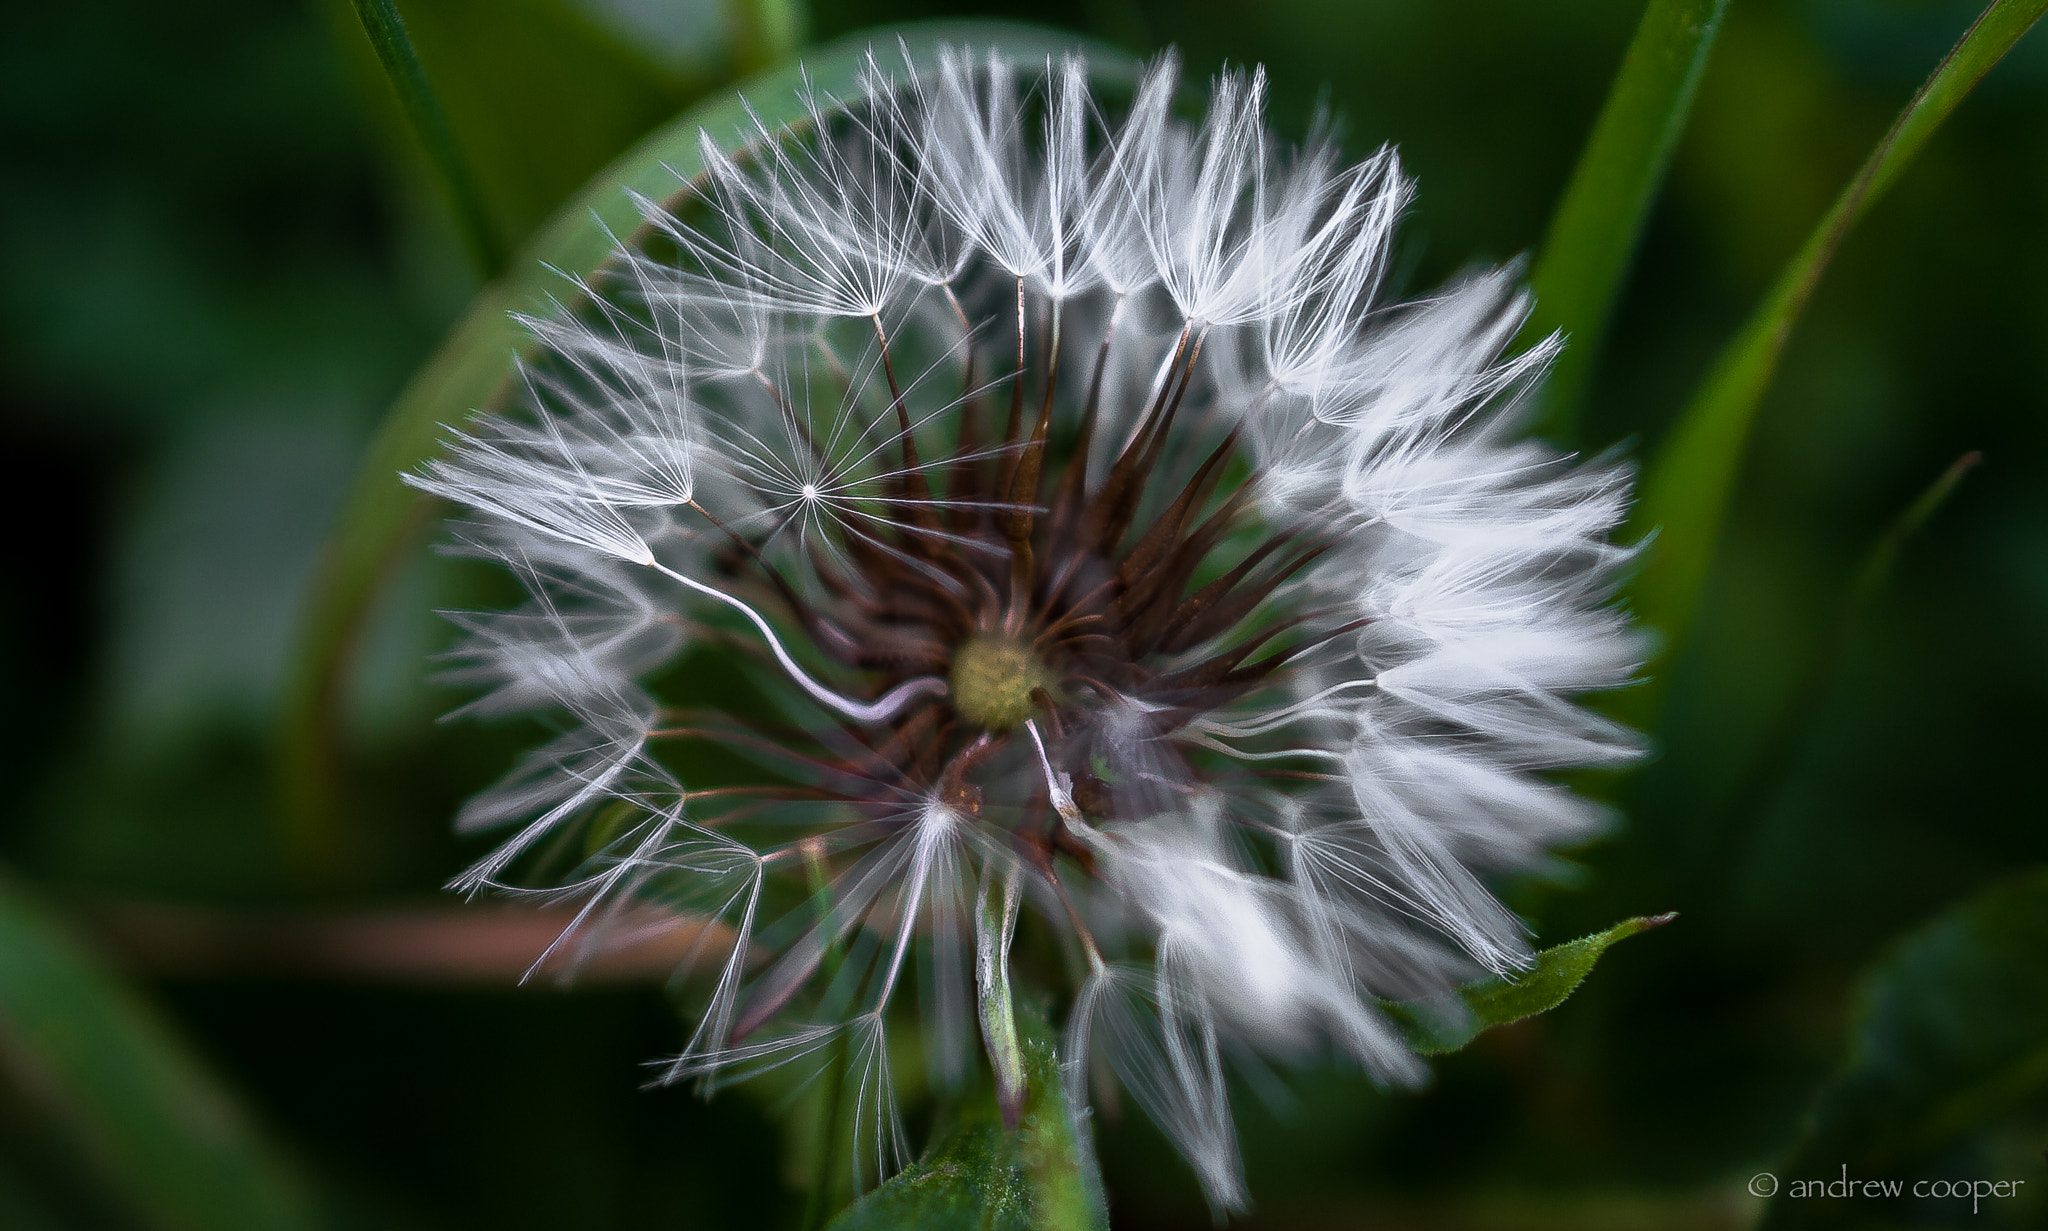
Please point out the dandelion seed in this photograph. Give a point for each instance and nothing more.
(1104, 549)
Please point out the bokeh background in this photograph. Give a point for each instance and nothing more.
(221, 257)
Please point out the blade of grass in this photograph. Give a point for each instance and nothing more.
(541, 95)
(1686, 492)
(1781, 747)
(145, 1113)
(1585, 254)
(1871, 575)
(386, 32)
(383, 519)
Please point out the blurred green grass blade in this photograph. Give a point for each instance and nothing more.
(1497, 1002)
(1585, 255)
(765, 32)
(141, 1108)
(1951, 1032)
(1883, 555)
(537, 97)
(541, 97)
(1687, 489)
(1782, 746)
(983, 1177)
(382, 519)
(386, 32)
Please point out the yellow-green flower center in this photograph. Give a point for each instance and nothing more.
(992, 680)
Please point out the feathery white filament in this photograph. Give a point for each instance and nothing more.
(1285, 809)
(879, 710)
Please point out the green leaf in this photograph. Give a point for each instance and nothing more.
(1584, 256)
(1686, 491)
(1556, 974)
(1951, 1031)
(984, 1177)
(138, 1105)
(382, 519)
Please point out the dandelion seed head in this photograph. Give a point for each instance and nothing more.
(1093, 537)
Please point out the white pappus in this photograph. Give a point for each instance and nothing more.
(1089, 538)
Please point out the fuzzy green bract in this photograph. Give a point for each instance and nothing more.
(983, 1177)
(1041, 1177)
(1554, 975)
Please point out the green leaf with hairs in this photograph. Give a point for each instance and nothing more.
(1686, 492)
(99, 1064)
(1584, 257)
(1556, 974)
(382, 520)
(1950, 1034)
(984, 1177)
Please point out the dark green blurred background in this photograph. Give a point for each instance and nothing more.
(220, 258)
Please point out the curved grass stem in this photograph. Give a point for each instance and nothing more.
(401, 64)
